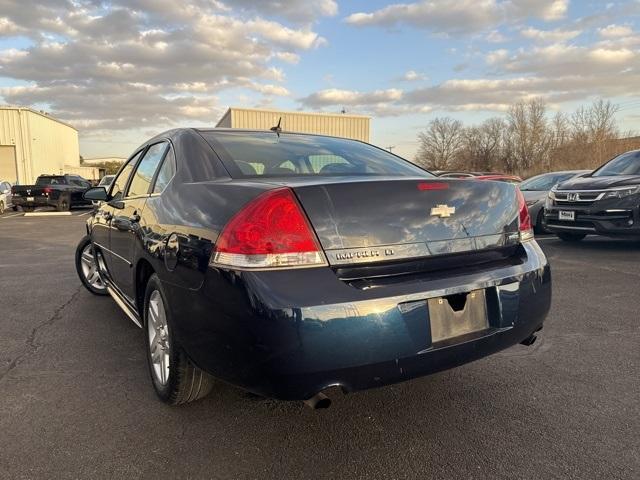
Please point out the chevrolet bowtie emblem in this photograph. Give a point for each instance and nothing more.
(443, 211)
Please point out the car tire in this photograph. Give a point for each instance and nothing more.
(541, 225)
(63, 204)
(1, 207)
(175, 378)
(571, 237)
(28, 209)
(87, 268)
(14, 208)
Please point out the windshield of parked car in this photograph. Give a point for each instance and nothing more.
(544, 182)
(106, 180)
(625, 164)
(263, 154)
(51, 181)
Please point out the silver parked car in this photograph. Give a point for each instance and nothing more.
(536, 189)
(5, 197)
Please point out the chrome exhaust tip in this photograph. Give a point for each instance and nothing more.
(318, 401)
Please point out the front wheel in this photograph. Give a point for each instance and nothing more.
(87, 268)
(541, 223)
(571, 237)
(175, 378)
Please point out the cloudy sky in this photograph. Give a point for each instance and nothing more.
(121, 71)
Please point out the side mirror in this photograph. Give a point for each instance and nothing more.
(98, 194)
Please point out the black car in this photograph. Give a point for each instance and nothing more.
(59, 191)
(289, 263)
(605, 202)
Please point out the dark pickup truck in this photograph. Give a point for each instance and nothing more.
(605, 202)
(59, 191)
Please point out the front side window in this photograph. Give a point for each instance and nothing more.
(120, 182)
(625, 164)
(263, 154)
(141, 181)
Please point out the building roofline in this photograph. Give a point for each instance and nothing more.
(291, 112)
(36, 112)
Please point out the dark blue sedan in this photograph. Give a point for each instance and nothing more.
(288, 263)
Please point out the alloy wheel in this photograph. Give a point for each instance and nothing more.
(158, 336)
(90, 268)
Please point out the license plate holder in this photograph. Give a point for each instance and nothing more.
(567, 215)
(31, 199)
(456, 315)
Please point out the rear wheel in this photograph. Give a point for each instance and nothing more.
(175, 378)
(63, 204)
(571, 237)
(14, 208)
(87, 268)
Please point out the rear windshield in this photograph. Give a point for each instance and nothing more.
(51, 181)
(264, 154)
(625, 164)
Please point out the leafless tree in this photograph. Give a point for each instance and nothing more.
(529, 132)
(482, 144)
(440, 143)
(526, 142)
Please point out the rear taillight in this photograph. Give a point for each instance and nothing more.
(270, 231)
(526, 230)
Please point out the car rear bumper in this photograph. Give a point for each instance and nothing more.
(36, 202)
(292, 334)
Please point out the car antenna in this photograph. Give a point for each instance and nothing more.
(277, 128)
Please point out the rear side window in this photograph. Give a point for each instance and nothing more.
(264, 154)
(166, 172)
(143, 176)
(120, 182)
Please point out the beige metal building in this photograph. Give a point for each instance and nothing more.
(334, 124)
(33, 143)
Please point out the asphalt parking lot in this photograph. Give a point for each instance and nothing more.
(76, 401)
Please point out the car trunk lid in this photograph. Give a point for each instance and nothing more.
(399, 219)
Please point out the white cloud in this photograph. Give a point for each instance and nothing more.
(494, 36)
(413, 76)
(615, 31)
(334, 96)
(149, 62)
(460, 16)
(303, 11)
(557, 35)
(497, 56)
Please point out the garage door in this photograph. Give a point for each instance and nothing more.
(8, 169)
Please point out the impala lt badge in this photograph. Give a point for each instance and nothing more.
(443, 211)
